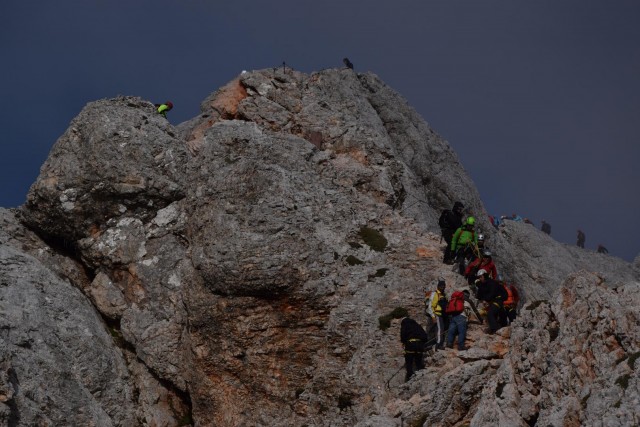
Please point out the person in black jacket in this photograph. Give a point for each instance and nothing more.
(546, 227)
(581, 238)
(449, 222)
(494, 293)
(414, 339)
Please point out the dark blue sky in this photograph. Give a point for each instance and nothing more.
(540, 99)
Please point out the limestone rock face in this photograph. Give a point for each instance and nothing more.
(572, 361)
(538, 263)
(59, 365)
(233, 271)
(117, 158)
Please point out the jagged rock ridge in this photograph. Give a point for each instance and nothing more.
(241, 260)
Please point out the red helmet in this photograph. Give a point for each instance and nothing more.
(169, 104)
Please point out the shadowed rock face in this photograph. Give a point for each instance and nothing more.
(241, 260)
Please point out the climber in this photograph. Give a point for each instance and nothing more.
(347, 63)
(414, 339)
(479, 248)
(546, 227)
(464, 243)
(510, 303)
(436, 315)
(494, 294)
(450, 220)
(602, 249)
(581, 238)
(163, 108)
(458, 320)
(480, 242)
(485, 261)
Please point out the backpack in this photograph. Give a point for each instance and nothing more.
(512, 295)
(502, 294)
(456, 303)
(427, 301)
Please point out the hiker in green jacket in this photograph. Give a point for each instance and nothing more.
(464, 242)
(163, 108)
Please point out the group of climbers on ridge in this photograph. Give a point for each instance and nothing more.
(545, 228)
(448, 317)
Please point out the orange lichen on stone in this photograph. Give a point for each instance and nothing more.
(225, 103)
(359, 155)
(423, 252)
(228, 98)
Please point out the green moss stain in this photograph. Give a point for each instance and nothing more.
(385, 321)
(499, 389)
(351, 260)
(584, 400)
(379, 273)
(374, 239)
(418, 422)
(623, 381)
(345, 401)
(632, 359)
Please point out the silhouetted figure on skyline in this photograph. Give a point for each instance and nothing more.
(347, 63)
(546, 227)
(602, 249)
(581, 238)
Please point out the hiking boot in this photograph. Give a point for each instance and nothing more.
(463, 348)
(450, 344)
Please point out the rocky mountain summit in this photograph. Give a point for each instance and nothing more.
(233, 270)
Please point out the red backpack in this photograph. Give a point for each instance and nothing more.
(456, 303)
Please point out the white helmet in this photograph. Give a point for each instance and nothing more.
(481, 272)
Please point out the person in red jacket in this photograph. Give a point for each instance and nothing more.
(484, 262)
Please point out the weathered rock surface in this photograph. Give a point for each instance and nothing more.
(117, 157)
(572, 361)
(540, 264)
(58, 364)
(241, 261)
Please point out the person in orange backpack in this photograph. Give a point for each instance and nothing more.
(511, 303)
(494, 294)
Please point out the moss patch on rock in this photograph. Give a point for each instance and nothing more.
(351, 260)
(398, 313)
(373, 238)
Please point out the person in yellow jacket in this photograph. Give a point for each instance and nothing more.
(163, 108)
(435, 310)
